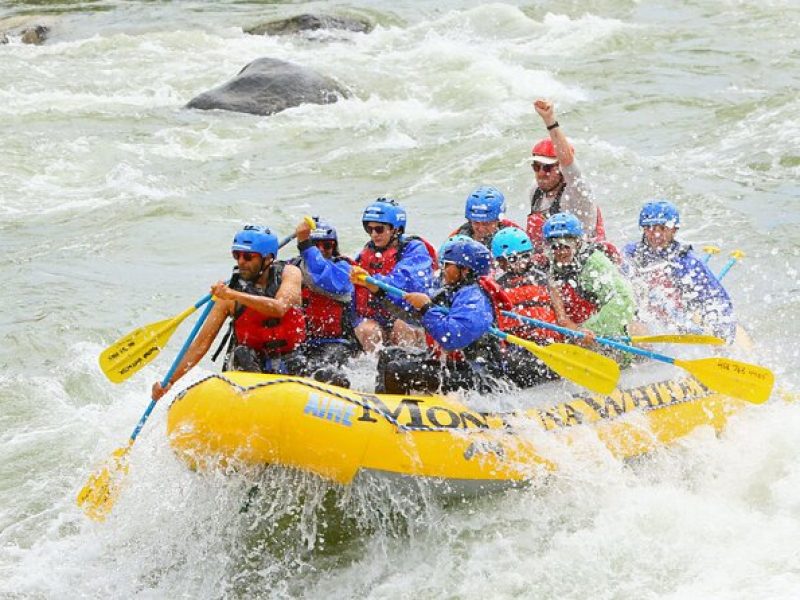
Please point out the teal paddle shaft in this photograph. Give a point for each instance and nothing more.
(605, 341)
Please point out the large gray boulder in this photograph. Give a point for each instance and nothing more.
(30, 29)
(267, 86)
(309, 22)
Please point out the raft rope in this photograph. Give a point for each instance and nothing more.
(320, 388)
(507, 427)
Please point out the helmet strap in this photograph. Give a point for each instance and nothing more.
(265, 267)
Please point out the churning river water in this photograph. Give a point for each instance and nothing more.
(117, 207)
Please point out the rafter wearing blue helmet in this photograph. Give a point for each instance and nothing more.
(263, 304)
(526, 287)
(484, 210)
(674, 287)
(401, 260)
(457, 321)
(327, 296)
(596, 298)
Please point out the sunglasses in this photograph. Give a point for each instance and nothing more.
(325, 244)
(546, 168)
(247, 256)
(518, 257)
(561, 246)
(379, 229)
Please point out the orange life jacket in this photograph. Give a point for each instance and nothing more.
(530, 297)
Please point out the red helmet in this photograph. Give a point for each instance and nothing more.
(544, 152)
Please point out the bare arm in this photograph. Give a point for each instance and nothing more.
(287, 296)
(547, 112)
(199, 346)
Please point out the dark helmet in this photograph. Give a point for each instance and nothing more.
(469, 254)
(323, 231)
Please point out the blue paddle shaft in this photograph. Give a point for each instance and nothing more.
(726, 268)
(605, 341)
(176, 362)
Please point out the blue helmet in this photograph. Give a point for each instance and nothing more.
(385, 210)
(256, 238)
(323, 231)
(562, 225)
(469, 254)
(459, 237)
(510, 241)
(485, 204)
(659, 212)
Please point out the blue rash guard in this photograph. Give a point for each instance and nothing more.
(331, 276)
(468, 319)
(677, 269)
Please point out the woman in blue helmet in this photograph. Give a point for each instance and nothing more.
(456, 320)
(484, 210)
(524, 283)
(327, 296)
(395, 258)
(263, 303)
(676, 288)
(587, 290)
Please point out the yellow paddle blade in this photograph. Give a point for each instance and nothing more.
(589, 369)
(98, 496)
(130, 353)
(732, 377)
(677, 338)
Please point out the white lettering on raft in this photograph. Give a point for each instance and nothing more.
(332, 409)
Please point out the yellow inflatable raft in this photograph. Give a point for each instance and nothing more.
(345, 435)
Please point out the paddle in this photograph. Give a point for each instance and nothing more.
(745, 381)
(709, 252)
(98, 496)
(588, 369)
(670, 338)
(132, 352)
(735, 256)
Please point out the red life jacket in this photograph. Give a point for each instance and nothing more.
(382, 263)
(528, 299)
(326, 316)
(272, 335)
(578, 308)
(579, 304)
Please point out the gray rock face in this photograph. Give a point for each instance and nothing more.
(310, 23)
(267, 86)
(35, 35)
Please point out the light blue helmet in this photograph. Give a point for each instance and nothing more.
(385, 210)
(485, 204)
(562, 225)
(459, 237)
(469, 254)
(323, 231)
(256, 238)
(510, 241)
(659, 212)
